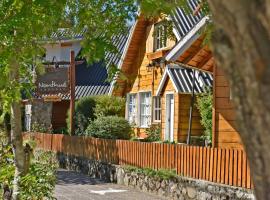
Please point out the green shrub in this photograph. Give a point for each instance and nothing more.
(84, 111)
(204, 104)
(62, 130)
(110, 127)
(40, 180)
(36, 127)
(153, 133)
(109, 106)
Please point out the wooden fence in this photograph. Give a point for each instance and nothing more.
(220, 165)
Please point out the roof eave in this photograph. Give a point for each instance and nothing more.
(186, 41)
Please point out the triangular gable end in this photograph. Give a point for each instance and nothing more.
(182, 79)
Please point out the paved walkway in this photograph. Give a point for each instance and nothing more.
(77, 186)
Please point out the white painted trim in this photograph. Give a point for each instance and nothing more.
(163, 80)
(123, 56)
(176, 34)
(173, 82)
(186, 41)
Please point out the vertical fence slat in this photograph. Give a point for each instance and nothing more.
(204, 162)
(215, 165)
(182, 159)
(188, 161)
(231, 167)
(211, 171)
(240, 164)
(222, 170)
(207, 163)
(248, 176)
(227, 166)
(235, 162)
(244, 171)
(185, 160)
(194, 162)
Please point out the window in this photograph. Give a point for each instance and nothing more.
(131, 108)
(160, 38)
(145, 109)
(157, 109)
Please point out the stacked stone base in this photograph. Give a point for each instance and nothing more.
(176, 188)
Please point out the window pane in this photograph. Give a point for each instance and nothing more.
(145, 109)
(132, 108)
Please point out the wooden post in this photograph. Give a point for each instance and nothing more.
(214, 107)
(72, 90)
(191, 109)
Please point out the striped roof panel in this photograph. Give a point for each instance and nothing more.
(184, 21)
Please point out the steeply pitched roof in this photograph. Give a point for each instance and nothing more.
(183, 21)
(182, 78)
(91, 79)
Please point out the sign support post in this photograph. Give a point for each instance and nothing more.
(72, 91)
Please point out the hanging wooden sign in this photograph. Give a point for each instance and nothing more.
(53, 81)
(53, 98)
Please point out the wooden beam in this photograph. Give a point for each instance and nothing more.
(193, 54)
(72, 91)
(205, 61)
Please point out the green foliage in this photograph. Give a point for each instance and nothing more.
(109, 106)
(62, 130)
(41, 179)
(162, 9)
(84, 111)
(205, 104)
(41, 128)
(153, 133)
(110, 127)
(164, 174)
(39, 182)
(6, 164)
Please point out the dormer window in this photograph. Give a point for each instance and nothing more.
(160, 36)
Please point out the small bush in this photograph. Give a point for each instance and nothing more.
(84, 111)
(153, 133)
(204, 104)
(110, 127)
(62, 130)
(40, 180)
(110, 106)
(164, 174)
(36, 127)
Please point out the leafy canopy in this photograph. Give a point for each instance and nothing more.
(25, 24)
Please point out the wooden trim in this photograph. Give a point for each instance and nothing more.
(157, 54)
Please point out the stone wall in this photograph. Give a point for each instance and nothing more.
(40, 113)
(176, 188)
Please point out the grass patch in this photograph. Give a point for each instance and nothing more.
(164, 174)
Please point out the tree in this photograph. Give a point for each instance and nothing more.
(241, 46)
(24, 24)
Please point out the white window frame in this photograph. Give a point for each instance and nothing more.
(156, 109)
(134, 105)
(160, 36)
(149, 114)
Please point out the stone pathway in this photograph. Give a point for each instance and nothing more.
(77, 186)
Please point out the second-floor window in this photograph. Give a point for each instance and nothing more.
(160, 38)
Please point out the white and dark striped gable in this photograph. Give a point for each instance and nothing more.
(182, 78)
